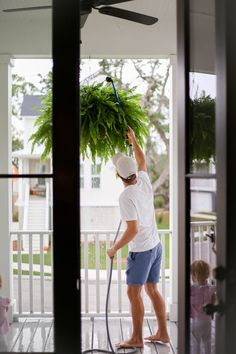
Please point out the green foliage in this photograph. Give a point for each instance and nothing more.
(159, 202)
(202, 137)
(43, 134)
(20, 87)
(104, 124)
(17, 142)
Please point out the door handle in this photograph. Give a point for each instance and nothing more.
(210, 309)
(219, 273)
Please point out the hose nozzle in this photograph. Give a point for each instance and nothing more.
(109, 79)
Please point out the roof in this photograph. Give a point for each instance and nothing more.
(30, 106)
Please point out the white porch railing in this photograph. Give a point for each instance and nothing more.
(32, 268)
(32, 279)
(95, 268)
(26, 204)
(202, 241)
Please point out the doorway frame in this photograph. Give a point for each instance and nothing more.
(66, 221)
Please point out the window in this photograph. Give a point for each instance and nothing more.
(96, 175)
(81, 176)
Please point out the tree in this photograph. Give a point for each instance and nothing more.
(20, 87)
(153, 75)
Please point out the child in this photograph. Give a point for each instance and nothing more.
(4, 325)
(202, 293)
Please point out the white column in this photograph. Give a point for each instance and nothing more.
(173, 192)
(6, 64)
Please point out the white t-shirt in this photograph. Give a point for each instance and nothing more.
(136, 203)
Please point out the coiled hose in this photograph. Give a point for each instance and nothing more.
(117, 350)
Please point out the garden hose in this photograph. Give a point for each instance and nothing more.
(109, 79)
(130, 350)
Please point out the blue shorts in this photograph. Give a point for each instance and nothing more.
(144, 267)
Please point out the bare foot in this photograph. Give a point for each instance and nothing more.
(129, 344)
(159, 338)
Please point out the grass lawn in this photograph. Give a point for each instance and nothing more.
(124, 252)
(36, 258)
(25, 272)
(91, 252)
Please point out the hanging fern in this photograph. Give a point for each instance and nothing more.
(202, 130)
(104, 123)
(43, 134)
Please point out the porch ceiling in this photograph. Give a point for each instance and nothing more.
(28, 34)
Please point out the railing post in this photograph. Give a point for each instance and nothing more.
(173, 193)
(6, 64)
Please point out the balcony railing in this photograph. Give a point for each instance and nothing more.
(32, 263)
(95, 270)
(203, 246)
(32, 270)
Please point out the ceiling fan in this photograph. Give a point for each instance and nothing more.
(102, 6)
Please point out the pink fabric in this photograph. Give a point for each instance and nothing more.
(200, 296)
(4, 325)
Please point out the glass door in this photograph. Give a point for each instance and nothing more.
(201, 175)
(207, 150)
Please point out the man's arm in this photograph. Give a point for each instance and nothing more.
(138, 152)
(128, 235)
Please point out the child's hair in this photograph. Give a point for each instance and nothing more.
(201, 270)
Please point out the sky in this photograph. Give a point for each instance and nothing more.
(29, 68)
(202, 82)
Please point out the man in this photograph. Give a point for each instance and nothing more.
(144, 258)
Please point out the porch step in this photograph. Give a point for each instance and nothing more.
(37, 214)
(37, 220)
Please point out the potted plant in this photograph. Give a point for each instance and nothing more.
(104, 122)
(202, 131)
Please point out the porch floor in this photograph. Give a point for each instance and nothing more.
(36, 335)
(30, 335)
(94, 334)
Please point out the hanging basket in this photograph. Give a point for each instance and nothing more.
(104, 123)
(202, 131)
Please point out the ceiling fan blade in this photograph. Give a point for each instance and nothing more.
(19, 9)
(83, 19)
(109, 2)
(128, 15)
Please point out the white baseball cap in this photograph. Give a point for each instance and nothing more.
(125, 165)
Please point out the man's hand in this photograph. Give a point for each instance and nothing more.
(138, 152)
(111, 252)
(131, 135)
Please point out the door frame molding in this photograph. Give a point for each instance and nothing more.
(226, 171)
(66, 223)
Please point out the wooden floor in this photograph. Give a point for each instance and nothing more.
(30, 335)
(94, 334)
(36, 335)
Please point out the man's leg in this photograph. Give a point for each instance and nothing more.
(137, 312)
(160, 311)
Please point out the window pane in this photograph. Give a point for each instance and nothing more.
(26, 262)
(81, 182)
(96, 182)
(81, 169)
(203, 191)
(96, 169)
